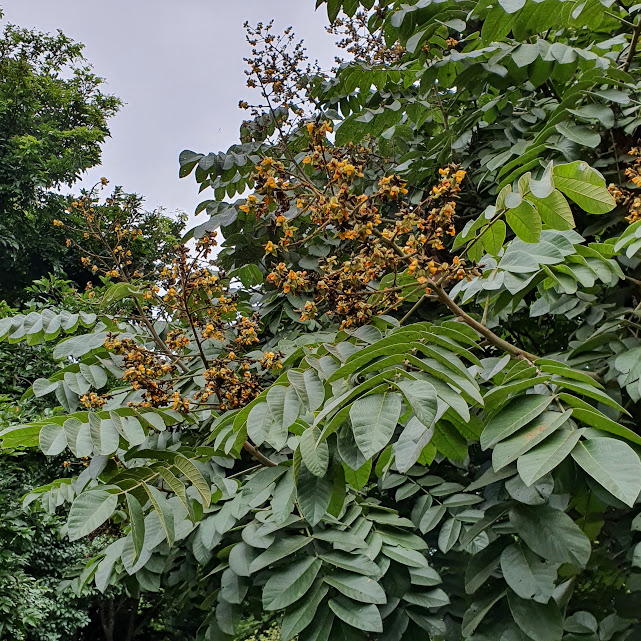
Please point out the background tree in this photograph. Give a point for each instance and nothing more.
(53, 121)
(403, 398)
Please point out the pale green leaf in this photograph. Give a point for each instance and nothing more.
(89, 511)
(357, 587)
(613, 464)
(374, 420)
(290, 584)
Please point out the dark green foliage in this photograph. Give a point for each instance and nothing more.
(53, 120)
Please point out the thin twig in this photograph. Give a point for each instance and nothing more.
(414, 308)
(633, 46)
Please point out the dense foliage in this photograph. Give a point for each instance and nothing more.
(53, 120)
(401, 400)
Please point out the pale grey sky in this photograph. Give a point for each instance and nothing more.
(178, 66)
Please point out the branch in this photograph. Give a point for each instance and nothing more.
(261, 458)
(633, 46)
(390, 243)
(457, 311)
(481, 329)
(159, 341)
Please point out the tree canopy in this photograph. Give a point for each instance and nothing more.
(390, 388)
(53, 120)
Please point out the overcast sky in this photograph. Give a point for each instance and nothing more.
(178, 66)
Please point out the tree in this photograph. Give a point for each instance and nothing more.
(53, 121)
(403, 397)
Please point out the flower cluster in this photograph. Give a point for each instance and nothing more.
(627, 197)
(93, 400)
(232, 383)
(147, 370)
(362, 42)
(115, 237)
(378, 235)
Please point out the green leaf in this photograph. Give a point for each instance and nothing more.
(449, 442)
(282, 548)
(352, 562)
(339, 491)
(95, 374)
(297, 619)
(374, 420)
(53, 439)
(410, 444)
(547, 456)
(283, 405)
(581, 623)
(551, 533)
(475, 614)
(314, 495)
(588, 390)
(137, 521)
(527, 437)
(357, 587)
(540, 622)
(554, 210)
(448, 536)
(425, 577)
(435, 598)
(104, 435)
(308, 386)
(589, 415)
(525, 222)
(411, 558)
(613, 464)
(358, 615)
(431, 518)
(527, 574)
(43, 386)
(164, 511)
(320, 627)
(585, 186)
(512, 6)
(118, 292)
(315, 454)
(89, 511)
(78, 437)
(259, 423)
(517, 413)
(579, 134)
(341, 538)
(291, 584)
(421, 397)
(250, 275)
(188, 468)
(175, 484)
(494, 237)
(358, 478)
(482, 565)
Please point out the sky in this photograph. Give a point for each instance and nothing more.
(178, 66)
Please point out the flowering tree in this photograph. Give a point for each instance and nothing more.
(401, 397)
